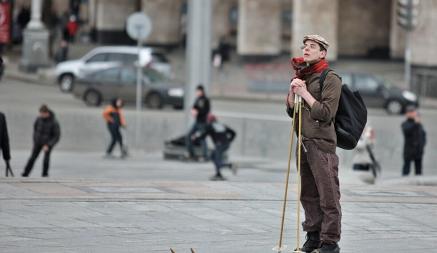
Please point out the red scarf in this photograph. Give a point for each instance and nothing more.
(302, 69)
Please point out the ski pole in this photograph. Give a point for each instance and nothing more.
(299, 151)
(281, 247)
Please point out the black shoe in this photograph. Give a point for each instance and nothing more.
(124, 153)
(312, 242)
(329, 248)
(24, 175)
(218, 177)
(45, 175)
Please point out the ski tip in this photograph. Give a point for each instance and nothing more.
(281, 249)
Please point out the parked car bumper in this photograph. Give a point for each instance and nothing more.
(175, 101)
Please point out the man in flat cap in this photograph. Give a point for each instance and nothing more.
(415, 140)
(320, 193)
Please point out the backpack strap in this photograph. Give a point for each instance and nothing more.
(323, 77)
(322, 80)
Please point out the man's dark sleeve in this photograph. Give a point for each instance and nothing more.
(56, 134)
(5, 139)
(230, 134)
(409, 127)
(424, 136)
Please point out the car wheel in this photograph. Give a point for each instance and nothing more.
(66, 82)
(154, 101)
(394, 107)
(92, 98)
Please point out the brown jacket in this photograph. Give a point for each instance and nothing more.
(318, 121)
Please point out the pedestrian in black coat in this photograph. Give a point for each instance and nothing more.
(415, 140)
(200, 112)
(4, 144)
(46, 133)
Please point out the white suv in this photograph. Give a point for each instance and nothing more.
(108, 56)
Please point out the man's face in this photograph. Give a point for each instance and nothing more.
(411, 115)
(44, 115)
(199, 93)
(312, 52)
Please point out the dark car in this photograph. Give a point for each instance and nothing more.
(378, 92)
(120, 81)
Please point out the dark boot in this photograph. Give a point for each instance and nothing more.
(217, 177)
(312, 242)
(329, 248)
(124, 152)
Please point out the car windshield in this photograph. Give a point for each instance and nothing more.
(153, 75)
(387, 83)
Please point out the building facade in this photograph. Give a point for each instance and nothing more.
(355, 28)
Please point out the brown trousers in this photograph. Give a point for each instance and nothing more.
(320, 195)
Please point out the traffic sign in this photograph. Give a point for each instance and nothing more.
(138, 26)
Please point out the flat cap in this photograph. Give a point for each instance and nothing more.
(317, 38)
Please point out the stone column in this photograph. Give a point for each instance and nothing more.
(110, 20)
(35, 52)
(166, 21)
(315, 17)
(423, 38)
(259, 27)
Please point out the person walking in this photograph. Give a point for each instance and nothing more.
(114, 117)
(222, 136)
(320, 195)
(200, 111)
(46, 133)
(415, 141)
(4, 144)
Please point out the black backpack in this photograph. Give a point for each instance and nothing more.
(351, 116)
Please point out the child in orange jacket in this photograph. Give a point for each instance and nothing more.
(114, 118)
